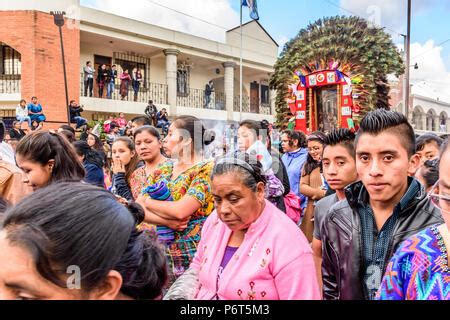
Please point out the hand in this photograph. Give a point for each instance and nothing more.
(118, 166)
(178, 225)
(122, 200)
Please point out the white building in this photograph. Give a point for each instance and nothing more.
(176, 66)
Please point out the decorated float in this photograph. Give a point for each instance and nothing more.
(333, 73)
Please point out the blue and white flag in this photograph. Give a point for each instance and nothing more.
(251, 4)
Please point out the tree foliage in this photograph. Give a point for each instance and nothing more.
(364, 52)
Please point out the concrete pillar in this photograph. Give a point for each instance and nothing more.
(229, 88)
(447, 122)
(171, 79)
(273, 97)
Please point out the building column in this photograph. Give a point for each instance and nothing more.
(447, 122)
(171, 79)
(229, 88)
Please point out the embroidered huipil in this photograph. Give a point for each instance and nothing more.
(274, 262)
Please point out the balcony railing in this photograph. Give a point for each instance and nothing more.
(147, 91)
(245, 104)
(10, 83)
(196, 98)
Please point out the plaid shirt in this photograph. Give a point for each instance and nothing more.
(375, 244)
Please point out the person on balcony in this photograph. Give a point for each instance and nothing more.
(137, 79)
(88, 79)
(22, 113)
(162, 121)
(111, 81)
(209, 88)
(102, 75)
(35, 111)
(151, 111)
(125, 79)
(75, 114)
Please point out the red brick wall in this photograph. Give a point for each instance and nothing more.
(36, 37)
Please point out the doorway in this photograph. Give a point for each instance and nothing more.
(98, 61)
(327, 108)
(254, 97)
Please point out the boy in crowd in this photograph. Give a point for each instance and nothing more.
(428, 146)
(339, 170)
(360, 235)
(140, 121)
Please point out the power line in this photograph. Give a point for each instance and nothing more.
(204, 21)
(439, 44)
(359, 15)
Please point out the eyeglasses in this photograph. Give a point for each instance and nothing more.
(439, 201)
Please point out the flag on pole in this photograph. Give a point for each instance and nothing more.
(253, 8)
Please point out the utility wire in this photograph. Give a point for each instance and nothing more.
(359, 15)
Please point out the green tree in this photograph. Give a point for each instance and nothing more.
(366, 54)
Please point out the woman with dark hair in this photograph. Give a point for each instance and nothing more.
(311, 181)
(96, 144)
(147, 141)
(92, 162)
(99, 255)
(46, 158)
(253, 138)
(188, 179)
(125, 162)
(125, 80)
(249, 250)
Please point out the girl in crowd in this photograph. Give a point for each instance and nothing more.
(275, 260)
(189, 184)
(419, 269)
(47, 157)
(100, 244)
(125, 162)
(253, 138)
(148, 148)
(92, 163)
(311, 182)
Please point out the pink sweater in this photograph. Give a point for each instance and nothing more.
(274, 262)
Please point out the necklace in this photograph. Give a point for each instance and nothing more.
(443, 259)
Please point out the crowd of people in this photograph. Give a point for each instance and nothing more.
(340, 215)
(107, 76)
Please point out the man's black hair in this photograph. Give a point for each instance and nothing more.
(380, 120)
(143, 120)
(344, 137)
(427, 138)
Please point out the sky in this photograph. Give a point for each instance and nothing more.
(430, 28)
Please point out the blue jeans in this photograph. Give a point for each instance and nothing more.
(164, 125)
(80, 121)
(110, 89)
(22, 119)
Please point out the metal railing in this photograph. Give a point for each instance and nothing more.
(196, 98)
(147, 91)
(10, 83)
(245, 104)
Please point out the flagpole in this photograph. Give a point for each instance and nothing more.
(240, 70)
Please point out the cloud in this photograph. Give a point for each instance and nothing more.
(217, 12)
(387, 13)
(281, 40)
(432, 78)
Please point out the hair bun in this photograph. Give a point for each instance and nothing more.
(209, 137)
(137, 211)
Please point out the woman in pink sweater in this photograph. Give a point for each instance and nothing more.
(249, 250)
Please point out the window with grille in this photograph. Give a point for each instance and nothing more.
(10, 61)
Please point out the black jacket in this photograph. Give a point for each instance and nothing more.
(342, 265)
(17, 135)
(75, 112)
